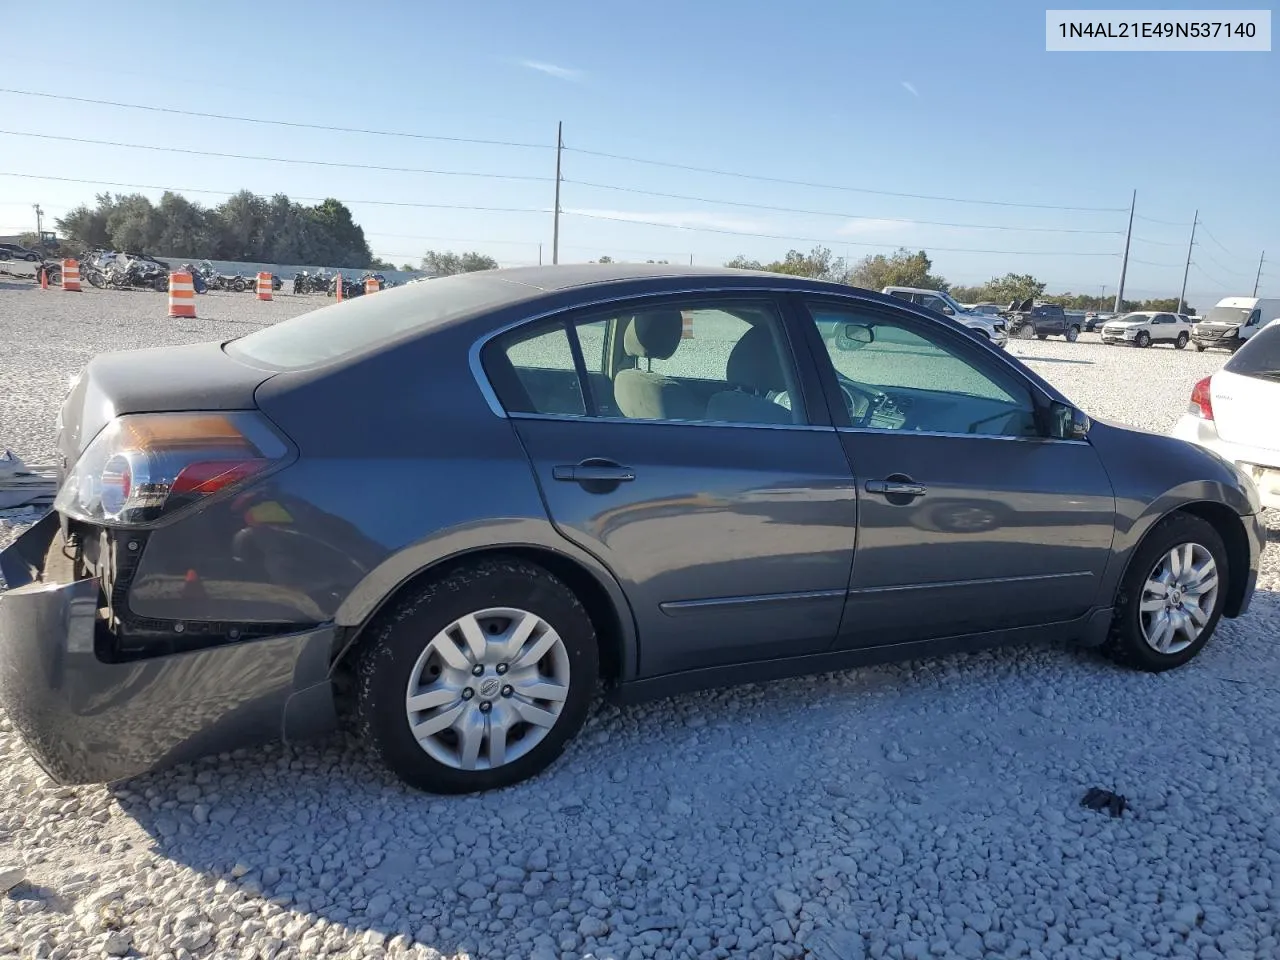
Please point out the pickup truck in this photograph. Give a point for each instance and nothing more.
(1143, 328)
(1042, 320)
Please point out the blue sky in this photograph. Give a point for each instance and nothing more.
(942, 99)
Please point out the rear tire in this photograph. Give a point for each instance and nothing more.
(402, 662)
(1073, 334)
(1128, 642)
(1181, 342)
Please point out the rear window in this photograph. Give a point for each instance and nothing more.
(1260, 355)
(342, 329)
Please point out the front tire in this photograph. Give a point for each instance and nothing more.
(1143, 339)
(478, 679)
(1171, 597)
(1181, 342)
(1199, 347)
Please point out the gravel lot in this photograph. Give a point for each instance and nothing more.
(928, 809)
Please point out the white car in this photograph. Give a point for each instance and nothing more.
(1233, 412)
(993, 328)
(1144, 328)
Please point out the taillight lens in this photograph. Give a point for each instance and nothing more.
(142, 467)
(1201, 401)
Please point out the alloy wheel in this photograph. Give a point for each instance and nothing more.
(1178, 598)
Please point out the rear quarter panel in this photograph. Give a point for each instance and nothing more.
(401, 464)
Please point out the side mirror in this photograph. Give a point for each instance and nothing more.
(1068, 423)
(948, 311)
(853, 336)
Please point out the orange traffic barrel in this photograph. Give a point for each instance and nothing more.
(182, 295)
(338, 292)
(264, 286)
(372, 285)
(71, 275)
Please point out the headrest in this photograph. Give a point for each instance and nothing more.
(654, 333)
(754, 364)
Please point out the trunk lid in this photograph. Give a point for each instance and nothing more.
(198, 376)
(1247, 410)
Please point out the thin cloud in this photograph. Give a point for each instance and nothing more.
(685, 219)
(857, 228)
(553, 70)
(910, 87)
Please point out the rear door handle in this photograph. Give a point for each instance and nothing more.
(897, 488)
(597, 471)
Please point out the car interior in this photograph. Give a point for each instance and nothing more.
(639, 367)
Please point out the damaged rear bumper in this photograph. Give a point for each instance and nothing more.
(86, 720)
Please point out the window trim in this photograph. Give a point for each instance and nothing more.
(968, 349)
(813, 398)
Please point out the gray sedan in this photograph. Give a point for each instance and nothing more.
(455, 508)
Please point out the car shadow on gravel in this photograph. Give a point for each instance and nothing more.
(1030, 359)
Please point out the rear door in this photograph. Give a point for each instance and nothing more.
(969, 519)
(704, 472)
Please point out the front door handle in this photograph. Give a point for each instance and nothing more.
(593, 471)
(897, 488)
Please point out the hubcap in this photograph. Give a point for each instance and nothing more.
(1178, 598)
(488, 688)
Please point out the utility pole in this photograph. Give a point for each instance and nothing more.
(691, 264)
(1258, 278)
(39, 221)
(539, 254)
(1124, 264)
(555, 232)
(1187, 269)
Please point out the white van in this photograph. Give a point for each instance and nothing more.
(1233, 321)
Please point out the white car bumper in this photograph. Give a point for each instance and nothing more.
(1260, 464)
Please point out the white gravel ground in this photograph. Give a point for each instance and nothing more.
(928, 809)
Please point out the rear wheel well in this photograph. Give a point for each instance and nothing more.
(593, 596)
(1231, 528)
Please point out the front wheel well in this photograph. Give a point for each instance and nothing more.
(1231, 528)
(588, 589)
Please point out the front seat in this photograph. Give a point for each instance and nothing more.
(754, 372)
(641, 395)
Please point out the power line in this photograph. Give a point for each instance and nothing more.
(230, 193)
(1157, 243)
(830, 186)
(830, 242)
(1215, 240)
(1218, 264)
(1210, 277)
(1166, 223)
(280, 123)
(246, 156)
(828, 213)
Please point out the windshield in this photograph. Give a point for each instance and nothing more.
(1260, 355)
(946, 298)
(1231, 315)
(1134, 318)
(343, 329)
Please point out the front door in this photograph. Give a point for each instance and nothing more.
(969, 519)
(676, 441)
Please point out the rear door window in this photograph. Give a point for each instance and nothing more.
(1260, 355)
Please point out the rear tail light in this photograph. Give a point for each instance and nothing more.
(143, 467)
(1201, 402)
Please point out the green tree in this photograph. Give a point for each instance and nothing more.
(741, 262)
(900, 269)
(1165, 305)
(407, 267)
(376, 264)
(446, 263)
(1014, 286)
(604, 259)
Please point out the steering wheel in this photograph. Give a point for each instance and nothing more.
(860, 404)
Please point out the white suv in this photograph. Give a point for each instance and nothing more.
(1145, 328)
(993, 328)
